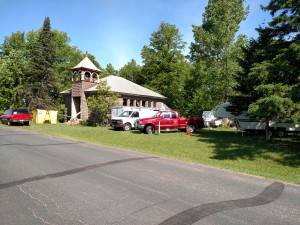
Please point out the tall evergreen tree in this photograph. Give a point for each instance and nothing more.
(269, 85)
(214, 54)
(165, 69)
(42, 80)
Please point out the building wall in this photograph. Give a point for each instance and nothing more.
(140, 101)
(76, 102)
(78, 88)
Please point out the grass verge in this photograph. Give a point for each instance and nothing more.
(222, 147)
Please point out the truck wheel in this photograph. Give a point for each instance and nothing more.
(149, 130)
(190, 128)
(127, 127)
(281, 133)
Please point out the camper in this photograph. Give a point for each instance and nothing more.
(247, 124)
(210, 120)
(126, 117)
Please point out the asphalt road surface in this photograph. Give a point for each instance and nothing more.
(46, 180)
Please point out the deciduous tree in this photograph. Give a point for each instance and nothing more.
(132, 71)
(100, 104)
(214, 53)
(165, 69)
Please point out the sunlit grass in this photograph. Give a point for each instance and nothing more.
(222, 147)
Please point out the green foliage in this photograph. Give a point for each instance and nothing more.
(269, 84)
(42, 81)
(132, 71)
(215, 53)
(100, 104)
(111, 70)
(18, 68)
(165, 69)
(12, 78)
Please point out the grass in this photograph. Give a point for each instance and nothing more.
(221, 147)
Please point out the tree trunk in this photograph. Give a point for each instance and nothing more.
(267, 130)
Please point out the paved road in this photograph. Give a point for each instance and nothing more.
(54, 181)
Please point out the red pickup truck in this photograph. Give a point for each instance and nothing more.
(169, 121)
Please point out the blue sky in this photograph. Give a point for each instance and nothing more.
(114, 31)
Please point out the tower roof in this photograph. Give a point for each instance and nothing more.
(86, 64)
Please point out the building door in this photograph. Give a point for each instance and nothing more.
(77, 107)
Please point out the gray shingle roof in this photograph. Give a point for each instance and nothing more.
(124, 86)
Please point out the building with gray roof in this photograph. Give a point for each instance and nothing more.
(85, 80)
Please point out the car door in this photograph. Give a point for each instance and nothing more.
(6, 115)
(174, 120)
(165, 122)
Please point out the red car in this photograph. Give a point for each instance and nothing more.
(16, 116)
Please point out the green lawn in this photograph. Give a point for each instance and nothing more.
(222, 147)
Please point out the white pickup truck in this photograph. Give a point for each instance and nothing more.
(127, 120)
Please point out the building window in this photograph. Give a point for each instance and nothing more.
(87, 76)
(131, 102)
(94, 77)
(76, 77)
(125, 101)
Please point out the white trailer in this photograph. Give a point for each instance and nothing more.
(126, 117)
(245, 123)
(210, 120)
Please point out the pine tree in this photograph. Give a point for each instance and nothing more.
(42, 80)
(270, 82)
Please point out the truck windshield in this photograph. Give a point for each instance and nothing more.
(126, 114)
(155, 115)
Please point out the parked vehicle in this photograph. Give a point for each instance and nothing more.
(210, 120)
(246, 124)
(14, 116)
(127, 120)
(168, 121)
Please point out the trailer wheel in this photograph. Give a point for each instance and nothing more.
(190, 128)
(281, 133)
(127, 127)
(271, 132)
(149, 130)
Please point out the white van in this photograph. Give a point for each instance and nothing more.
(128, 118)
